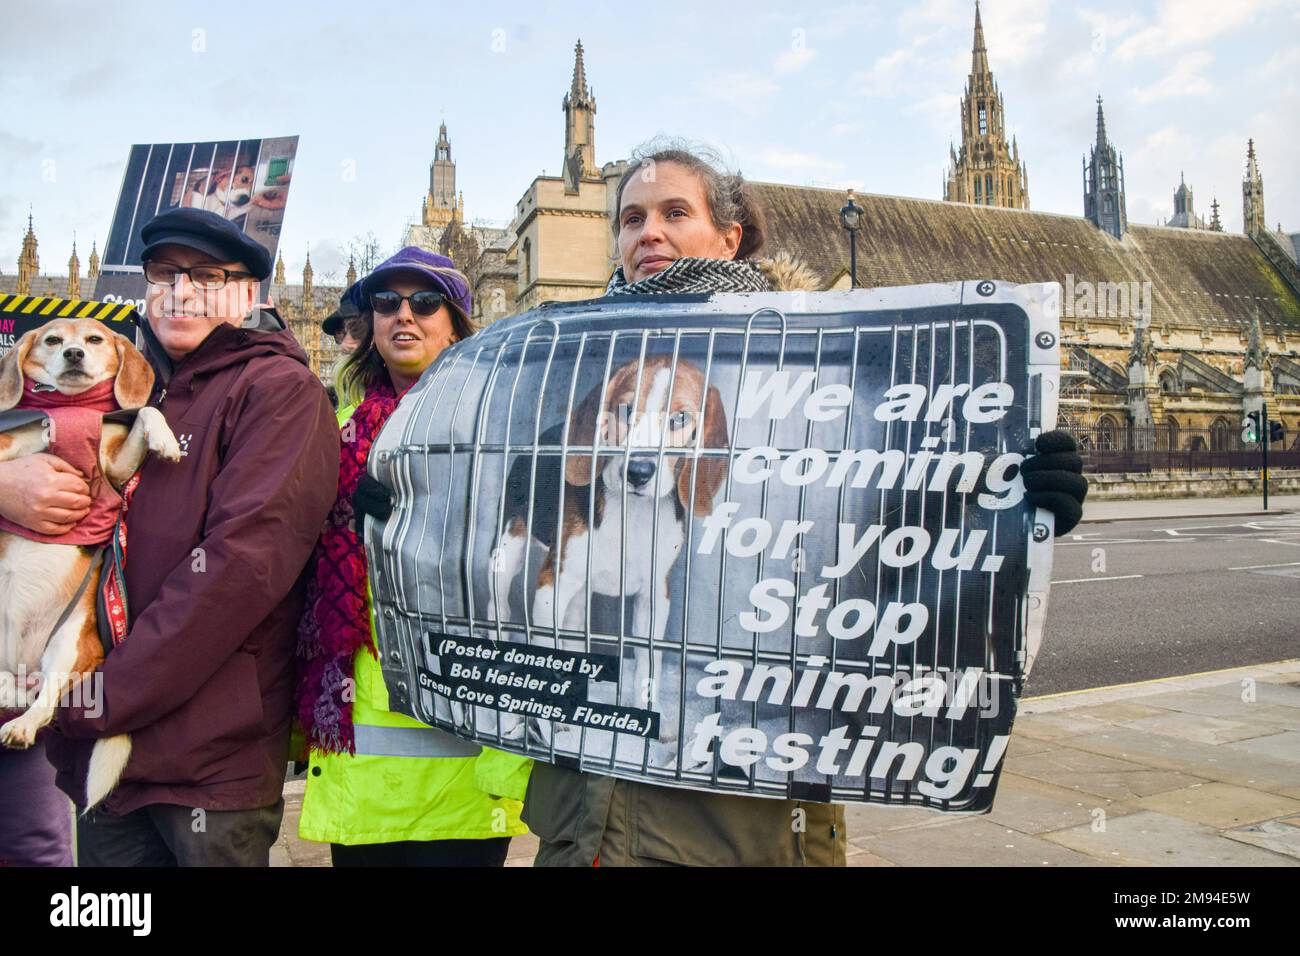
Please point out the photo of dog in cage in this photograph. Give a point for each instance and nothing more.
(585, 504)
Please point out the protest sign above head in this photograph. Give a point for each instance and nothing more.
(771, 544)
(247, 181)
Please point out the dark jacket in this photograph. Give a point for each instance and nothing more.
(217, 545)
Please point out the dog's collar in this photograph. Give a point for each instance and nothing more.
(42, 387)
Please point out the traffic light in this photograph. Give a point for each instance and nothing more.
(1250, 428)
(1275, 432)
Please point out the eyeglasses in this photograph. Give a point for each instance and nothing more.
(424, 302)
(203, 277)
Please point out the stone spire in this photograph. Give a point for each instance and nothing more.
(352, 272)
(307, 274)
(1104, 201)
(979, 53)
(1216, 224)
(29, 264)
(579, 127)
(93, 273)
(74, 272)
(987, 170)
(1252, 195)
(279, 269)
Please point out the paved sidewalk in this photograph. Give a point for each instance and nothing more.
(1202, 770)
(1158, 508)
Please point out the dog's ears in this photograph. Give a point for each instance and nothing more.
(708, 473)
(582, 431)
(11, 371)
(134, 381)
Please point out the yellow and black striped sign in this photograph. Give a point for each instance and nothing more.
(20, 314)
(46, 307)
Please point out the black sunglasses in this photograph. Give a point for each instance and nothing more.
(424, 302)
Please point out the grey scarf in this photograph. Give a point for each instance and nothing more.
(695, 275)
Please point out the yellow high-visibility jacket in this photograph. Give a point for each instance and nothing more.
(408, 781)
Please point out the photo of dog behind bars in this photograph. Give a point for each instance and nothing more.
(631, 475)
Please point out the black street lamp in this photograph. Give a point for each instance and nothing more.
(851, 217)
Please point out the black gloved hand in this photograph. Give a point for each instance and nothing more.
(371, 498)
(1054, 479)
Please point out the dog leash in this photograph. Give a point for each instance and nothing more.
(81, 590)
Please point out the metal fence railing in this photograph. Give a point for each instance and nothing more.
(1159, 448)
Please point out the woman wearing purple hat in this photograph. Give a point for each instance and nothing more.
(382, 788)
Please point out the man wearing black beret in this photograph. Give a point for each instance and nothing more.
(217, 544)
(345, 323)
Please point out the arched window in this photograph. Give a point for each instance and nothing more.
(1167, 435)
(1220, 435)
(1169, 381)
(988, 189)
(1107, 434)
(984, 121)
(1108, 204)
(979, 191)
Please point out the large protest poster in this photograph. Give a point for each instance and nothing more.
(20, 314)
(246, 180)
(770, 544)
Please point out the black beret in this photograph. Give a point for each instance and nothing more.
(347, 309)
(208, 232)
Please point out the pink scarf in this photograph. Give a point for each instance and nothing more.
(76, 423)
(336, 620)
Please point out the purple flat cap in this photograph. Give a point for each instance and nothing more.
(414, 259)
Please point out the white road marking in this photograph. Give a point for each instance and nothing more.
(1255, 567)
(1118, 577)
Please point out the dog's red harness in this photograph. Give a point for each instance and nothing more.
(76, 422)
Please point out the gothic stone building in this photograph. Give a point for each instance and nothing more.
(1180, 328)
(1158, 321)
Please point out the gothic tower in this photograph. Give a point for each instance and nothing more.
(1103, 184)
(1216, 224)
(352, 273)
(440, 203)
(93, 273)
(28, 264)
(74, 272)
(307, 273)
(1252, 195)
(579, 127)
(1185, 208)
(279, 269)
(987, 171)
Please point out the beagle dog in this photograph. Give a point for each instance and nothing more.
(62, 373)
(229, 191)
(623, 485)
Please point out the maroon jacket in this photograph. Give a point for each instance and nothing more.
(217, 545)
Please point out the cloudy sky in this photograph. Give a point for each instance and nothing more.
(862, 94)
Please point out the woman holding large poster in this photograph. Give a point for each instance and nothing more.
(682, 226)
